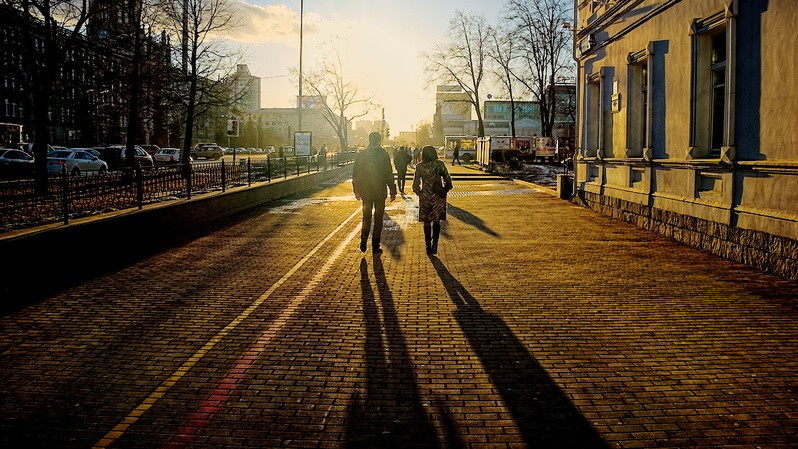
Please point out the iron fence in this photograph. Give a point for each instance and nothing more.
(68, 197)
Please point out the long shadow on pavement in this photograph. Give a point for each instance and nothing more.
(471, 219)
(544, 415)
(389, 414)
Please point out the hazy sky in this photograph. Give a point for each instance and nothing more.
(379, 42)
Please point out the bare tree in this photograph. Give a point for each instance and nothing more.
(504, 53)
(463, 58)
(50, 30)
(537, 26)
(205, 60)
(342, 102)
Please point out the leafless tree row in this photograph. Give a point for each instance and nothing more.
(182, 74)
(525, 54)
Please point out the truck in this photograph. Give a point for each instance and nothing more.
(496, 150)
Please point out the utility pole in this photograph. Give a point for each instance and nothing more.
(301, 23)
(382, 125)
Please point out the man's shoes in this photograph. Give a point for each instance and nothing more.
(363, 246)
(434, 247)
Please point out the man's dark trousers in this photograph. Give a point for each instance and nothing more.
(378, 208)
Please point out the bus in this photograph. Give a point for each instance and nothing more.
(467, 145)
(10, 134)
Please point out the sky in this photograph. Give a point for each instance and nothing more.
(379, 42)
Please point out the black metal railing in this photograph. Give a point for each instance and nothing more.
(70, 197)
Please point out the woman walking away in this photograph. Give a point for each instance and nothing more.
(431, 183)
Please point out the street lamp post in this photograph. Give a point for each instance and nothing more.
(301, 26)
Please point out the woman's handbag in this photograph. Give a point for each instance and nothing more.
(438, 188)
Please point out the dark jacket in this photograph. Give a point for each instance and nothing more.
(400, 160)
(372, 175)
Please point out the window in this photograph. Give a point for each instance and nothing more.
(639, 114)
(712, 106)
(592, 114)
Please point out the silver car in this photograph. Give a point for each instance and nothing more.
(168, 156)
(75, 162)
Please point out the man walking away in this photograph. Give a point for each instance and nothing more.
(456, 155)
(372, 178)
(400, 160)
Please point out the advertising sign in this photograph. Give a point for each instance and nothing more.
(545, 147)
(302, 143)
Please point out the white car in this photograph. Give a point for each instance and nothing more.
(75, 162)
(169, 156)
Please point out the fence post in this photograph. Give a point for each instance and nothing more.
(224, 176)
(269, 168)
(296, 164)
(249, 171)
(189, 172)
(285, 167)
(139, 185)
(65, 194)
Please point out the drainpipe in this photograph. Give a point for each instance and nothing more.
(577, 125)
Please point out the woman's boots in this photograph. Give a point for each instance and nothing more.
(431, 233)
(428, 237)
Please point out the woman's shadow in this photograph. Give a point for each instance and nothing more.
(544, 415)
(389, 413)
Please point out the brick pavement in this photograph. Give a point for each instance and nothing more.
(272, 330)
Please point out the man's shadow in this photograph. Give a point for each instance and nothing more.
(389, 413)
(544, 415)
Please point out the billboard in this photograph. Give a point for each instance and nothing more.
(302, 143)
(545, 146)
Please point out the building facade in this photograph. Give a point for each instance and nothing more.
(497, 115)
(453, 113)
(687, 119)
(245, 88)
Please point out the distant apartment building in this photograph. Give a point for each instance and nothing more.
(245, 88)
(687, 123)
(453, 113)
(91, 85)
(498, 117)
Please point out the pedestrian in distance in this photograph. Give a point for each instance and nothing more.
(431, 183)
(456, 155)
(401, 158)
(372, 180)
(416, 156)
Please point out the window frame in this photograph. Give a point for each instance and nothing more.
(706, 140)
(639, 111)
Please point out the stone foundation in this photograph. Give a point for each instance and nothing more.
(770, 253)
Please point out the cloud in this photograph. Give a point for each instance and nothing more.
(270, 24)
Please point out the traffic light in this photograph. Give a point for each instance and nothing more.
(232, 128)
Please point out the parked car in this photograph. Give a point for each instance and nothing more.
(15, 163)
(269, 149)
(114, 155)
(75, 161)
(169, 156)
(28, 148)
(93, 151)
(150, 149)
(214, 152)
(286, 150)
